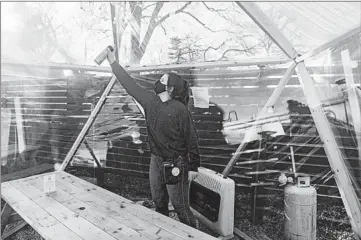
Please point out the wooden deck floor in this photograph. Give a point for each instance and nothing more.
(81, 210)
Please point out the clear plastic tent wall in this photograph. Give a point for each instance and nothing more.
(310, 24)
(57, 103)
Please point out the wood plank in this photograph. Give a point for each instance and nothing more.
(36, 105)
(41, 99)
(137, 69)
(90, 194)
(46, 225)
(177, 228)
(241, 234)
(36, 93)
(239, 82)
(15, 218)
(98, 221)
(70, 219)
(13, 230)
(5, 216)
(119, 227)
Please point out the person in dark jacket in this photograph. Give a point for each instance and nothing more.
(171, 134)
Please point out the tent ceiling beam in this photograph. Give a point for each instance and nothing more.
(330, 44)
(134, 69)
(266, 24)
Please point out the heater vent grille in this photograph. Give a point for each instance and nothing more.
(209, 182)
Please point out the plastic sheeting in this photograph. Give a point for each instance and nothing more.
(315, 23)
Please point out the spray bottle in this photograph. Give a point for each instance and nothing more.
(103, 55)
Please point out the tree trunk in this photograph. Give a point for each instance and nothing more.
(135, 54)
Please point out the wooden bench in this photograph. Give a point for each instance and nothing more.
(81, 210)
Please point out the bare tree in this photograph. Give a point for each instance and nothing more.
(139, 11)
(38, 33)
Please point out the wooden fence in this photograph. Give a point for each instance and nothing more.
(55, 107)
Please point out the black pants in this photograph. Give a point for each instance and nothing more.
(178, 193)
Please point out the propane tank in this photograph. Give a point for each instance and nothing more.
(300, 210)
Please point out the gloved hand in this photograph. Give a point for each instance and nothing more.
(192, 175)
(111, 55)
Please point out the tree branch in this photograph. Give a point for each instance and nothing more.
(169, 14)
(200, 22)
(213, 9)
(164, 30)
(55, 41)
(150, 5)
(214, 48)
(235, 50)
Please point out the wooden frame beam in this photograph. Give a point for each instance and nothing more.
(278, 90)
(133, 69)
(5, 134)
(330, 44)
(19, 128)
(88, 124)
(352, 98)
(358, 91)
(271, 101)
(267, 25)
(338, 166)
(18, 227)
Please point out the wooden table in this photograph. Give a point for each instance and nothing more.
(81, 210)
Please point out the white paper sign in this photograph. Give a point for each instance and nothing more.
(200, 97)
(49, 183)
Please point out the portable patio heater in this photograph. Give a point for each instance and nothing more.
(211, 199)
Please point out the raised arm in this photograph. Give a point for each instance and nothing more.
(139, 93)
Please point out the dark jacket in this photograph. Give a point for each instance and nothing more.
(171, 131)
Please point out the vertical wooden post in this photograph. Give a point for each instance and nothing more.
(5, 134)
(258, 201)
(19, 126)
(338, 166)
(5, 216)
(352, 98)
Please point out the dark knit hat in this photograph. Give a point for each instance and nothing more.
(175, 81)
